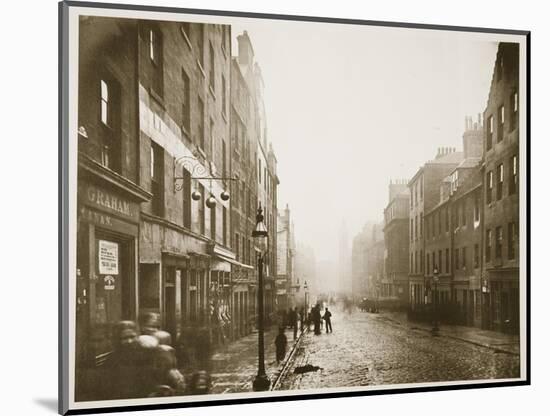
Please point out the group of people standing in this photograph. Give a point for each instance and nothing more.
(317, 317)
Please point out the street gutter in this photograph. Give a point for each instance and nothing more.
(286, 364)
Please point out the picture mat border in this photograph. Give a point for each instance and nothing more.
(67, 221)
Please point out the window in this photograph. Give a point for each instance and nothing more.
(237, 245)
(513, 175)
(439, 225)
(211, 76)
(110, 118)
(512, 234)
(421, 224)
(428, 263)
(213, 223)
(513, 111)
(201, 210)
(224, 225)
(186, 192)
(476, 256)
(157, 179)
(433, 262)
(439, 260)
(421, 261)
(155, 53)
(421, 181)
(489, 187)
(186, 105)
(260, 170)
(463, 213)
(224, 38)
(498, 245)
(224, 96)
(488, 242)
(212, 137)
(412, 230)
(224, 160)
(500, 181)
(200, 44)
(457, 263)
(106, 114)
(464, 258)
(500, 67)
(500, 130)
(415, 223)
(200, 127)
(476, 208)
(446, 260)
(490, 133)
(447, 215)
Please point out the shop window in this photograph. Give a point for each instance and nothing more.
(149, 286)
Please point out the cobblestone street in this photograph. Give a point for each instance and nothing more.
(234, 366)
(374, 349)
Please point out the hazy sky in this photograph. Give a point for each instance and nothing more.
(349, 107)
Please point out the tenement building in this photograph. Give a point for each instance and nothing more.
(162, 175)
(424, 190)
(500, 271)
(286, 284)
(262, 187)
(110, 192)
(453, 237)
(395, 283)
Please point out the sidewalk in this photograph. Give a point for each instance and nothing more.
(234, 366)
(494, 340)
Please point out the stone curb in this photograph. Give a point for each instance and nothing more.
(286, 364)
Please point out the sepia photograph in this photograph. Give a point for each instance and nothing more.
(285, 207)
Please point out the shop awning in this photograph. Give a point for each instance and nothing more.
(222, 259)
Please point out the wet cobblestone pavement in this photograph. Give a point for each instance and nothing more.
(371, 349)
(233, 367)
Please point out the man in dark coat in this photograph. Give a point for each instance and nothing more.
(327, 317)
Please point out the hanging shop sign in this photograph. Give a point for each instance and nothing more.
(108, 257)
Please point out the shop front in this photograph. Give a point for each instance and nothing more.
(107, 247)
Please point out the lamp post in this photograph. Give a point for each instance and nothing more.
(261, 382)
(304, 320)
(435, 298)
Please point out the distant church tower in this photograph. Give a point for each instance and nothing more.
(344, 260)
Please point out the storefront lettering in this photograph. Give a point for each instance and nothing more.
(95, 217)
(106, 200)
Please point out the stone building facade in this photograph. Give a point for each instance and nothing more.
(395, 283)
(501, 192)
(287, 281)
(172, 165)
(424, 190)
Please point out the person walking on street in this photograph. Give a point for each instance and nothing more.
(293, 316)
(280, 345)
(328, 323)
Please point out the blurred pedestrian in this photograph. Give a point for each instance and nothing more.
(293, 318)
(328, 323)
(280, 345)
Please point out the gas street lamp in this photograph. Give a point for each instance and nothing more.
(261, 382)
(435, 300)
(304, 320)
